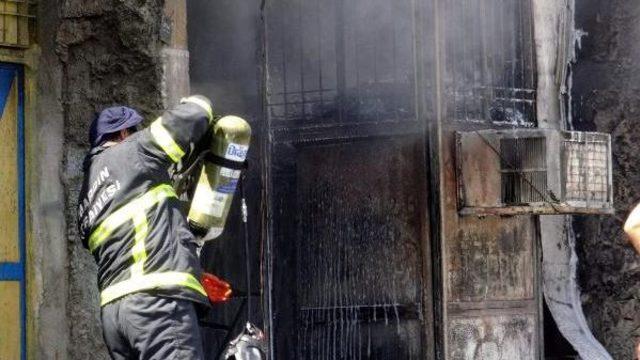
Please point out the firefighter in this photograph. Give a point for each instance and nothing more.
(132, 223)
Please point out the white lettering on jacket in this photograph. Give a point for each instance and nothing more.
(97, 198)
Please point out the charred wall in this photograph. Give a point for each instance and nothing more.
(606, 98)
(110, 54)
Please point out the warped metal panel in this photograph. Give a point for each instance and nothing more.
(358, 251)
(491, 259)
(359, 225)
(327, 336)
(493, 337)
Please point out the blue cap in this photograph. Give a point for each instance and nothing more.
(112, 120)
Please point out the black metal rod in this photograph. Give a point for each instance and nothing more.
(245, 227)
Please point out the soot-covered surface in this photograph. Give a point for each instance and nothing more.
(358, 288)
(348, 181)
(605, 98)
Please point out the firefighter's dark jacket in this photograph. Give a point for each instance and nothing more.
(129, 216)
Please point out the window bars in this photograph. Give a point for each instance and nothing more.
(15, 17)
(490, 62)
(340, 62)
(587, 167)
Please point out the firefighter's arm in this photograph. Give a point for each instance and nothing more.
(174, 134)
(632, 228)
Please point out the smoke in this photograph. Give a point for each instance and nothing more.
(225, 65)
(224, 45)
(340, 61)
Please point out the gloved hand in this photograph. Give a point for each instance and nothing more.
(218, 290)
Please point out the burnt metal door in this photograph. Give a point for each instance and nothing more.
(348, 247)
(491, 301)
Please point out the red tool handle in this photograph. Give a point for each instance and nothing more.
(218, 290)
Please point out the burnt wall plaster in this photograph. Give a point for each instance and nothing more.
(606, 98)
(111, 54)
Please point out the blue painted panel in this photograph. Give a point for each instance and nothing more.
(11, 272)
(6, 80)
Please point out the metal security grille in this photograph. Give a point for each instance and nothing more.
(340, 62)
(490, 62)
(15, 16)
(524, 170)
(587, 167)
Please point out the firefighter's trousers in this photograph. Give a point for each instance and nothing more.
(148, 327)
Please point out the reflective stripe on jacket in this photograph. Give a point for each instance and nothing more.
(129, 216)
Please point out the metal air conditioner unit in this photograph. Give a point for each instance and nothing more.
(533, 171)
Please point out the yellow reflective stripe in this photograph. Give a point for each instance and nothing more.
(109, 224)
(128, 212)
(139, 251)
(150, 282)
(164, 139)
(203, 104)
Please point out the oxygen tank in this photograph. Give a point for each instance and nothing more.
(219, 176)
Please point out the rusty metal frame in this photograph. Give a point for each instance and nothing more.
(555, 172)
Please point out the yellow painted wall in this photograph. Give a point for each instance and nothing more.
(10, 315)
(9, 250)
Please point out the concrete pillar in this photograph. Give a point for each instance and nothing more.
(175, 53)
(47, 245)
